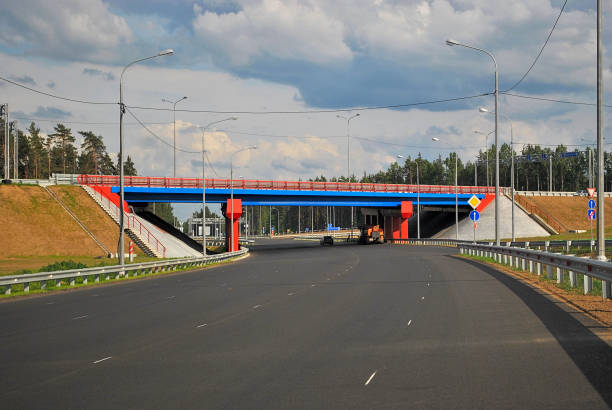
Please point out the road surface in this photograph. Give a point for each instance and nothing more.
(297, 325)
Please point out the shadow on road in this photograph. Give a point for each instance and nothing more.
(592, 355)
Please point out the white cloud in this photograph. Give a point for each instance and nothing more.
(67, 28)
(284, 29)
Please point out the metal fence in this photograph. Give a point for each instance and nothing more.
(536, 262)
(109, 272)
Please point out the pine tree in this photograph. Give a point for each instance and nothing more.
(64, 138)
(37, 149)
(93, 152)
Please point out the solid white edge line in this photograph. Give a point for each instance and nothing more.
(101, 360)
(370, 379)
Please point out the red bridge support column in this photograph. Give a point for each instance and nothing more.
(228, 210)
(405, 214)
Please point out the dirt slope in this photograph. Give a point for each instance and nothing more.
(571, 211)
(34, 227)
(92, 216)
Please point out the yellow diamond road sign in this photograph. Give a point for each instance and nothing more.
(474, 201)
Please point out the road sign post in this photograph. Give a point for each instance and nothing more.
(592, 214)
(474, 215)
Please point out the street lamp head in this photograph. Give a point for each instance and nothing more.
(167, 52)
(450, 42)
(357, 115)
(184, 98)
(233, 118)
(482, 109)
(435, 139)
(253, 147)
(400, 156)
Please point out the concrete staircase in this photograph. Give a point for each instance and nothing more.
(137, 232)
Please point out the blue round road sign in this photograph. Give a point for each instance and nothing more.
(474, 215)
(592, 214)
(591, 204)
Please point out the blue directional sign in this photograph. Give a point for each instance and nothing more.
(474, 215)
(591, 204)
(592, 214)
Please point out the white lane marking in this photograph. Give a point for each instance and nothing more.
(422, 297)
(370, 379)
(202, 325)
(290, 294)
(101, 360)
(313, 285)
(170, 297)
(79, 317)
(50, 303)
(256, 306)
(427, 283)
(409, 322)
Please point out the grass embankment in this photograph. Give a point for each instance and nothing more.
(80, 282)
(592, 304)
(37, 231)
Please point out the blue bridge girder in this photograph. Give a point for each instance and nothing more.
(274, 197)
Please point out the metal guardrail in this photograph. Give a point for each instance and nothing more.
(115, 271)
(520, 258)
(113, 180)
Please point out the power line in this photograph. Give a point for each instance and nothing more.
(56, 96)
(551, 99)
(85, 122)
(158, 137)
(324, 111)
(541, 49)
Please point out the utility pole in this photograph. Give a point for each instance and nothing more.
(601, 239)
(550, 173)
(5, 112)
(13, 129)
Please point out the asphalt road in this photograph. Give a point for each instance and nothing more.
(296, 325)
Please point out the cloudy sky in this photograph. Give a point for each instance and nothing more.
(283, 67)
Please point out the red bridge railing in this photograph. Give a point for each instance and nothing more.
(161, 182)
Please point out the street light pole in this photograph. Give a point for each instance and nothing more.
(435, 139)
(601, 239)
(121, 174)
(174, 123)
(232, 192)
(348, 154)
(203, 129)
(484, 110)
(497, 221)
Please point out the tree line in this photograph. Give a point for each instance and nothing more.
(40, 156)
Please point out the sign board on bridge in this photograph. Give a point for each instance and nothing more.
(474, 201)
(591, 192)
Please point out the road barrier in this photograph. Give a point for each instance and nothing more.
(536, 262)
(114, 272)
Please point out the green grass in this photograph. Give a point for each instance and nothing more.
(565, 284)
(36, 287)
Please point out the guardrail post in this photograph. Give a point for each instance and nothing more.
(546, 245)
(559, 275)
(26, 287)
(531, 266)
(527, 245)
(523, 264)
(549, 271)
(85, 280)
(58, 283)
(72, 281)
(568, 245)
(606, 289)
(97, 278)
(43, 284)
(7, 290)
(539, 268)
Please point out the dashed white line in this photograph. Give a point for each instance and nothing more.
(409, 322)
(313, 285)
(370, 379)
(101, 360)
(290, 294)
(79, 317)
(170, 297)
(256, 306)
(422, 297)
(202, 325)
